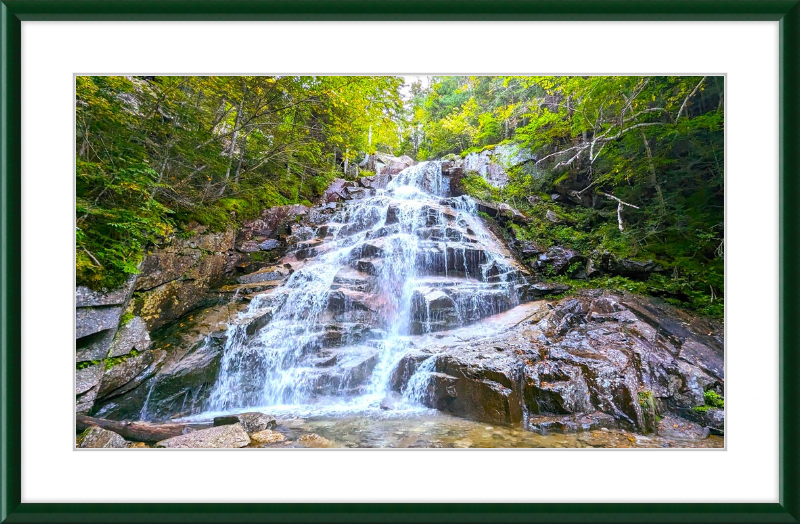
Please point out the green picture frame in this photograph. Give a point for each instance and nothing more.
(13, 12)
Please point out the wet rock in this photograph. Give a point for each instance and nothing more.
(133, 335)
(91, 320)
(258, 322)
(545, 424)
(383, 164)
(593, 353)
(267, 436)
(131, 372)
(674, 427)
(266, 274)
(182, 382)
(352, 279)
(252, 422)
(376, 181)
(543, 289)
(369, 266)
(389, 402)
(85, 401)
(713, 419)
(312, 440)
(101, 438)
(477, 399)
(556, 387)
(530, 249)
(335, 191)
(228, 436)
(608, 263)
(341, 300)
(269, 244)
(558, 260)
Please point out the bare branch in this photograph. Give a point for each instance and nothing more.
(620, 203)
(680, 111)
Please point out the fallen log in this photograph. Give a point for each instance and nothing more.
(136, 431)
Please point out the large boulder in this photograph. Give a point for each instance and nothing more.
(625, 356)
(335, 191)
(252, 422)
(95, 437)
(272, 222)
(383, 164)
(492, 163)
(228, 436)
(267, 436)
(312, 440)
(559, 260)
(608, 263)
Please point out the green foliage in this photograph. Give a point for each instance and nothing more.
(646, 398)
(157, 153)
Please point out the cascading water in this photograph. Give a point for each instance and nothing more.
(405, 261)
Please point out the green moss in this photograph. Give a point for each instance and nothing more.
(714, 399)
(479, 149)
(87, 364)
(113, 361)
(125, 318)
(476, 186)
(649, 410)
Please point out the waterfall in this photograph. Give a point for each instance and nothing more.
(401, 262)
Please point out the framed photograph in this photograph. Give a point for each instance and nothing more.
(396, 261)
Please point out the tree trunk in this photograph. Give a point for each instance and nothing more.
(653, 178)
(241, 157)
(233, 141)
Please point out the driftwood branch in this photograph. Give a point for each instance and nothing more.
(137, 431)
